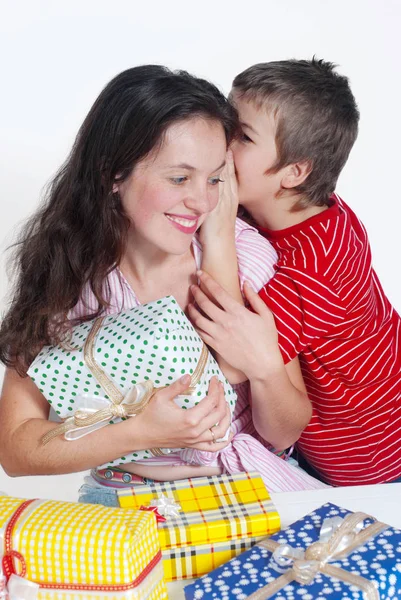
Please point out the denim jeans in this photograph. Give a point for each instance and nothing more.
(89, 494)
(92, 492)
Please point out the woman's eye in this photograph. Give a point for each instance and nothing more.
(215, 180)
(245, 138)
(179, 180)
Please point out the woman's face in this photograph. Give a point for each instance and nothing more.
(169, 194)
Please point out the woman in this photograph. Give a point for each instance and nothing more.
(117, 230)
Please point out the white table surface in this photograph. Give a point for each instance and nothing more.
(381, 501)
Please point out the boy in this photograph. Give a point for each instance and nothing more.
(299, 122)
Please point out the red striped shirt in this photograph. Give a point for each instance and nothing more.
(330, 309)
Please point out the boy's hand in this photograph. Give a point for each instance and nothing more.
(222, 218)
(246, 340)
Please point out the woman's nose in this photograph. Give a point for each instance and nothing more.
(202, 199)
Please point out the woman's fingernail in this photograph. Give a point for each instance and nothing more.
(199, 273)
(249, 284)
(185, 379)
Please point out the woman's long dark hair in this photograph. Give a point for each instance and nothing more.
(79, 233)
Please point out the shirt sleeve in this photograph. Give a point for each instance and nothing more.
(305, 308)
(256, 256)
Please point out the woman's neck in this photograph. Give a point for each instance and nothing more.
(153, 274)
(143, 263)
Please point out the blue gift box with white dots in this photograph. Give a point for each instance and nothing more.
(377, 560)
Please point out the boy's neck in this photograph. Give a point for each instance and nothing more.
(276, 214)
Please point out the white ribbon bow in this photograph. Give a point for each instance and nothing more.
(307, 563)
(19, 588)
(90, 405)
(166, 506)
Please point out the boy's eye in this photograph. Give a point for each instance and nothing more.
(215, 181)
(245, 138)
(178, 180)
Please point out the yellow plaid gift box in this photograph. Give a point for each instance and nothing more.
(72, 548)
(220, 517)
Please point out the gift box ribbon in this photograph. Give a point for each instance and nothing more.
(18, 589)
(159, 518)
(164, 506)
(338, 538)
(11, 556)
(98, 411)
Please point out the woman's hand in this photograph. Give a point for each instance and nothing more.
(246, 340)
(163, 424)
(221, 220)
(166, 425)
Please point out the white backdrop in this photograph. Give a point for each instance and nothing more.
(56, 57)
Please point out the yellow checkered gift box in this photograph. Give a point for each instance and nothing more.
(220, 517)
(69, 547)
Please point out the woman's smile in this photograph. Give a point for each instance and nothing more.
(187, 224)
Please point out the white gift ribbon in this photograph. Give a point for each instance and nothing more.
(166, 506)
(19, 588)
(306, 568)
(90, 405)
(3, 587)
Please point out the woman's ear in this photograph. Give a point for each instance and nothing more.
(295, 174)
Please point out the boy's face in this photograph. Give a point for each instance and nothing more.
(254, 153)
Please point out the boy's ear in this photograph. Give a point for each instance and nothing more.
(295, 174)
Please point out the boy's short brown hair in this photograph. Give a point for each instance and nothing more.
(316, 115)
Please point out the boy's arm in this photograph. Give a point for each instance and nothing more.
(219, 256)
(248, 340)
(281, 408)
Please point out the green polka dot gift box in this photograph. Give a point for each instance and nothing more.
(112, 365)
